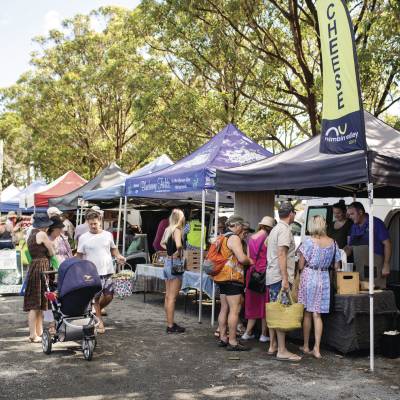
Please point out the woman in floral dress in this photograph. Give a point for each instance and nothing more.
(317, 254)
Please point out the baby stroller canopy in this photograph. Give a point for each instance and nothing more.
(75, 274)
(78, 282)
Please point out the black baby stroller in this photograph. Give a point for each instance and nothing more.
(78, 282)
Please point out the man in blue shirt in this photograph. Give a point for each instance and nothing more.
(359, 236)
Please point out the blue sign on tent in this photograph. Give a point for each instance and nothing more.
(229, 148)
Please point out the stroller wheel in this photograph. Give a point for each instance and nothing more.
(88, 346)
(46, 342)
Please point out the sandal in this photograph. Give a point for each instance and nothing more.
(292, 358)
(35, 340)
(222, 343)
(237, 347)
(101, 329)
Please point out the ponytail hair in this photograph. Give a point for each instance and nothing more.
(341, 205)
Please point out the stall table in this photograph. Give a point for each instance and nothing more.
(148, 274)
(347, 328)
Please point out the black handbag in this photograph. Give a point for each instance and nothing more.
(257, 279)
(178, 266)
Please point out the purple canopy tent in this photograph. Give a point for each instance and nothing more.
(196, 172)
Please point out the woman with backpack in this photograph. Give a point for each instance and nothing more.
(230, 280)
(255, 295)
(172, 241)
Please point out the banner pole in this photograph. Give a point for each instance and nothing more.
(119, 221)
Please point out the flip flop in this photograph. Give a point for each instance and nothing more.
(293, 359)
(271, 353)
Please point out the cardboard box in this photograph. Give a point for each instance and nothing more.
(348, 282)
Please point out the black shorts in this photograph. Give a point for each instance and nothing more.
(230, 288)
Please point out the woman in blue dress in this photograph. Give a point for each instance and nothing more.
(317, 254)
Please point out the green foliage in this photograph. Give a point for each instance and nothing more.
(170, 74)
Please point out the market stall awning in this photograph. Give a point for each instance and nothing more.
(229, 148)
(303, 170)
(63, 185)
(109, 176)
(116, 191)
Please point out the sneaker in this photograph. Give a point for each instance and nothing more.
(246, 336)
(264, 339)
(175, 329)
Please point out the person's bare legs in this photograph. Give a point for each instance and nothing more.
(105, 300)
(234, 303)
(283, 352)
(97, 309)
(174, 286)
(307, 322)
(250, 326)
(273, 345)
(318, 327)
(32, 322)
(223, 318)
(39, 322)
(166, 301)
(263, 327)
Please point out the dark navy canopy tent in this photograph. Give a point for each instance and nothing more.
(305, 171)
(196, 173)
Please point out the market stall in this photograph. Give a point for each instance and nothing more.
(305, 171)
(195, 174)
(61, 186)
(109, 176)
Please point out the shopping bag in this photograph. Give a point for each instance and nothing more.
(123, 283)
(284, 317)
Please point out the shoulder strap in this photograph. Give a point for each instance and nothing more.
(259, 249)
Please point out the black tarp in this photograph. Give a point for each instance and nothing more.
(304, 171)
(109, 176)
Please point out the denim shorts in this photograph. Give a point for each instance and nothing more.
(167, 270)
(274, 290)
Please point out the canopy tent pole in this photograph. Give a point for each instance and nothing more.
(77, 216)
(119, 220)
(81, 215)
(371, 273)
(203, 221)
(124, 226)
(216, 211)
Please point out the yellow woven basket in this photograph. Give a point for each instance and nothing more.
(284, 317)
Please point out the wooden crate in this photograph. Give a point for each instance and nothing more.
(348, 282)
(192, 258)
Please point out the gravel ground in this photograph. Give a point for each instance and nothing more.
(136, 359)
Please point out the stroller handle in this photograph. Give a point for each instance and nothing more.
(49, 272)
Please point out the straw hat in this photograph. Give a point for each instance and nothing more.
(12, 214)
(267, 221)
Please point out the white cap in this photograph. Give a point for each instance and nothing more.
(51, 211)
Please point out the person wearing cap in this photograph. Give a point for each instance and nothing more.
(40, 249)
(60, 242)
(230, 281)
(68, 226)
(254, 301)
(280, 274)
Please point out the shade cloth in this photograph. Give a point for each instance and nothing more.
(229, 148)
(63, 185)
(109, 176)
(303, 170)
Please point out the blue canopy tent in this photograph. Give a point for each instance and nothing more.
(196, 173)
(17, 202)
(116, 192)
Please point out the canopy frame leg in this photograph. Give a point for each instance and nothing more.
(203, 219)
